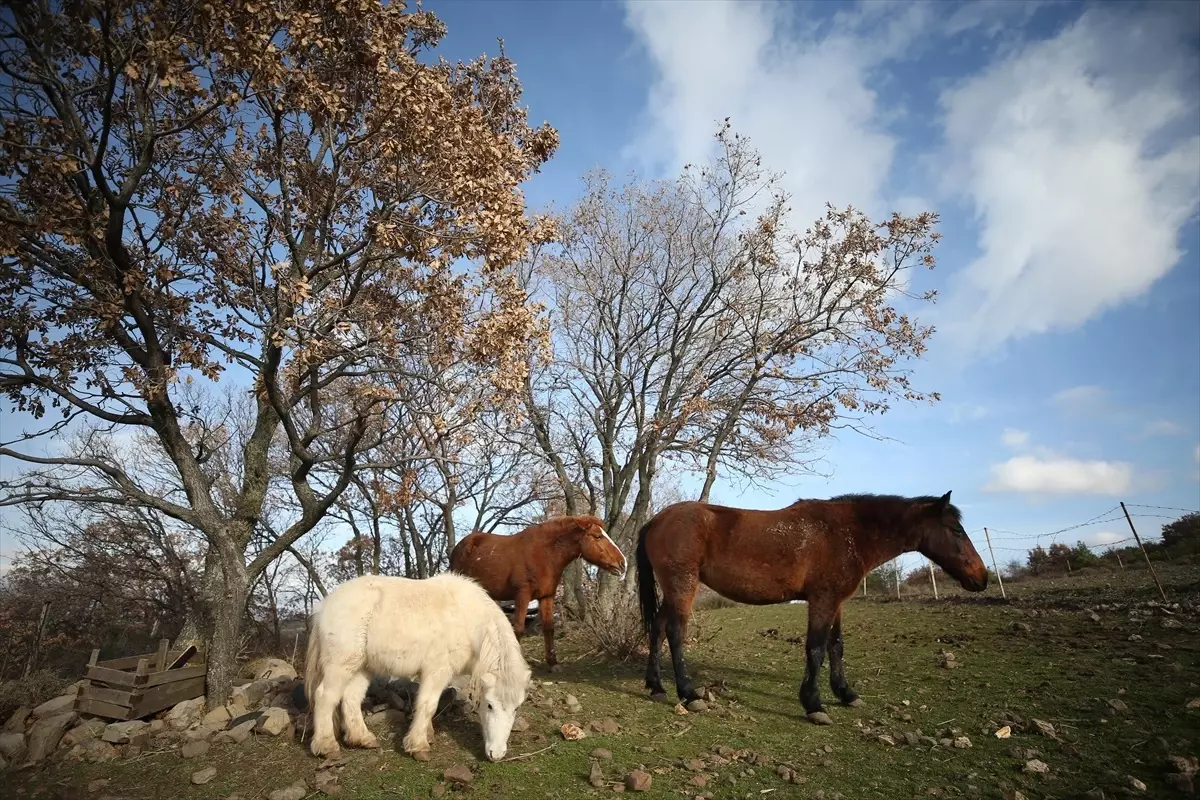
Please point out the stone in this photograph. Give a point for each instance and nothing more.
(1171, 623)
(1036, 767)
(459, 774)
(251, 694)
(1117, 705)
(94, 750)
(699, 781)
(127, 732)
(204, 776)
(238, 733)
(327, 784)
(157, 726)
(16, 722)
(606, 725)
(520, 724)
(1022, 627)
(1181, 783)
(820, 718)
(195, 749)
(184, 714)
(697, 706)
(885, 739)
(596, 776)
(58, 705)
(638, 781)
(297, 791)
(573, 701)
(87, 729)
(46, 733)
(1184, 765)
(218, 717)
(962, 742)
(273, 721)
(602, 754)
(264, 668)
(1135, 784)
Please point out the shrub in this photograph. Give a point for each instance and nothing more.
(613, 622)
(37, 687)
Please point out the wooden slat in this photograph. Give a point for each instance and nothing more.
(167, 695)
(172, 675)
(102, 709)
(131, 662)
(184, 656)
(119, 697)
(160, 660)
(113, 676)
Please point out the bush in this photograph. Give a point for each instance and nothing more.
(614, 621)
(38, 687)
(707, 599)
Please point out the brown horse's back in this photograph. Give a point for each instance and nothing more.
(750, 556)
(479, 555)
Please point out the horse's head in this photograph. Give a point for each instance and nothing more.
(596, 548)
(945, 543)
(497, 709)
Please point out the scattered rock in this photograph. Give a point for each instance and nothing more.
(1036, 767)
(264, 668)
(1045, 729)
(94, 750)
(459, 774)
(680, 710)
(204, 776)
(596, 776)
(16, 722)
(602, 754)
(184, 714)
(573, 702)
(297, 791)
(327, 784)
(1181, 783)
(1193, 703)
(962, 742)
(1094, 617)
(572, 732)
(250, 695)
(638, 781)
(195, 749)
(127, 732)
(87, 729)
(97, 785)
(1184, 765)
(273, 721)
(439, 789)
(606, 725)
(520, 725)
(1013, 794)
(1135, 784)
(885, 739)
(55, 706)
(202, 732)
(1004, 733)
(947, 659)
(1022, 627)
(697, 706)
(239, 733)
(219, 716)
(1117, 705)
(46, 733)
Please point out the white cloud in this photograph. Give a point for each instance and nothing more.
(1164, 427)
(1015, 438)
(803, 99)
(1082, 399)
(1104, 537)
(1057, 475)
(1196, 454)
(1079, 155)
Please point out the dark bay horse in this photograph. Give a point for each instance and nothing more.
(814, 550)
(528, 565)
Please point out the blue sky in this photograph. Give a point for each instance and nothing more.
(1060, 142)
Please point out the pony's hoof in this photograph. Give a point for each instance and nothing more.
(819, 718)
(370, 742)
(421, 755)
(856, 703)
(327, 748)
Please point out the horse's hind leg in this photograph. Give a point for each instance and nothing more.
(837, 666)
(420, 728)
(354, 727)
(653, 670)
(325, 701)
(546, 614)
(677, 605)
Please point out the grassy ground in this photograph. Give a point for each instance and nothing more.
(1063, 670)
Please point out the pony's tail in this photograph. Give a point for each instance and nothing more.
(647, 591)
(313, 668)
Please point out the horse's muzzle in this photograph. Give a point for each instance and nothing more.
(976, 584)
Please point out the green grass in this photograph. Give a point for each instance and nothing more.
(1063, 670)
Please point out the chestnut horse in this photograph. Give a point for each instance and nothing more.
(814, 550)
(528, 565)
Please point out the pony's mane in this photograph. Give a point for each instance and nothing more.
(889, 504)
(500, 655)
(559, 525)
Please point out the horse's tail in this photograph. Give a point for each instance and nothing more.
(647, 591)
(313, 668)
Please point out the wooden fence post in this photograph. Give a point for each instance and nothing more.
(31, 661)
(896, 564)
(1153, 574)
(933, 580)
(999, 579)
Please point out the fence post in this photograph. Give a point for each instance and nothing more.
(1119, 561)
(999, 579)
(933, 580)
(896, 564)
(1153, 574)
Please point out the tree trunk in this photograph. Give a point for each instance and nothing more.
(220, 611)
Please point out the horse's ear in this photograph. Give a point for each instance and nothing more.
(489, 681)
(946, 499)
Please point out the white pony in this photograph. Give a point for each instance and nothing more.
(431, 631)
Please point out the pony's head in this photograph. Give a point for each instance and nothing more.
(496, 688)
(596, 548)
(945, 543)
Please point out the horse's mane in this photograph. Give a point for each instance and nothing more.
(560, 525)
(500, 655)
(888, 505)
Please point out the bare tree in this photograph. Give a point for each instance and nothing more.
(691, 326)
(281, 194)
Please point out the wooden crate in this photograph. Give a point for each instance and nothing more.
(137, 686)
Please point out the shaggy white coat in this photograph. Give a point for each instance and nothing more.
(434, 631)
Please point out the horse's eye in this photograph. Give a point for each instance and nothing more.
(490, 707)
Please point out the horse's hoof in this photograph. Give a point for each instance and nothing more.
(369, 742)
(421, 755)
(659, 697)
(555, 667)
(819, 718)
(856, 703)
(324, 748)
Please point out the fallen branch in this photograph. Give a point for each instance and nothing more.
(525, 755)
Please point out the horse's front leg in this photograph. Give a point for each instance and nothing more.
(520, 610)
(678, 610)
(546, 613)
(837, 666)
(420, 728)
(820, 622)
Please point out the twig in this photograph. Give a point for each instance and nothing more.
(148, 755)
(947, 722)
(525, 755)
(682, 732)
